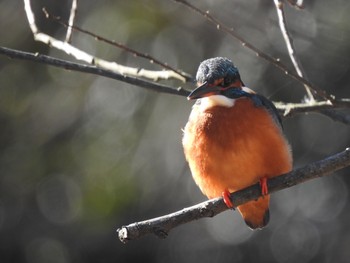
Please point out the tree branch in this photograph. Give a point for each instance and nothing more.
(290, 109)
(90, 59)
(290, 46)
(93, 70)
(276, 62)
(286, 109)
(73, 12)
(161, 226)
(106, 68)
(151, 59)
(326, 108)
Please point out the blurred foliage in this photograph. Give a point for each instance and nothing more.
(81, 155)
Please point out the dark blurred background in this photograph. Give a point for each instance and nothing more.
(82, 155)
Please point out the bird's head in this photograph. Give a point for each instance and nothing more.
(217, 76)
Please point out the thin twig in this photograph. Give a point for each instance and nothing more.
(73, 12)
(161, 226)
(81, 55)
(276, 62)
(290, 46)
(134, 52)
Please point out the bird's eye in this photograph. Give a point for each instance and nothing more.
(227, 81)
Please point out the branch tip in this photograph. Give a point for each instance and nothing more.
(123, 234)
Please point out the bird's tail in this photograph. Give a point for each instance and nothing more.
(256, 214)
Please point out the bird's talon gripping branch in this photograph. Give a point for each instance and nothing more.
(263, 185)
(227, 199)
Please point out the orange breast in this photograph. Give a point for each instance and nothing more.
(232, 148)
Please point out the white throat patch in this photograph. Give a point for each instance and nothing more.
(216, 100)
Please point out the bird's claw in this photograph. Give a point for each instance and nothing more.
(263, 185)
(227, 199)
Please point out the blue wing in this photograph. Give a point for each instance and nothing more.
(261, 101)
(258, 100)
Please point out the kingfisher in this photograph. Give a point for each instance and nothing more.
(233, 139)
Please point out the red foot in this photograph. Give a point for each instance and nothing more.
(227, 199)
(263, 185)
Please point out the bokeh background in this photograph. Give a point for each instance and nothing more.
(82, 155)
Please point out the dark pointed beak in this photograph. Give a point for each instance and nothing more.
(204, 90)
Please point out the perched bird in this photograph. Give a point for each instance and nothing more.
(233, 139)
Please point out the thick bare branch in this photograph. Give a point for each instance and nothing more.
(161, 226)
(93, 70)
(290, 46)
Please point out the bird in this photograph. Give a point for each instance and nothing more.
(233, 139)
